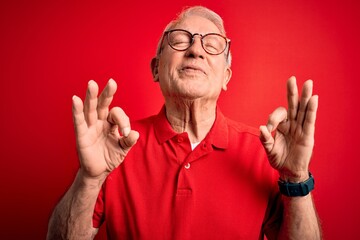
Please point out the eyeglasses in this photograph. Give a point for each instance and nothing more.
(212, 43)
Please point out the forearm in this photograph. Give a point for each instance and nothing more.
(72, 217)
(300, 219)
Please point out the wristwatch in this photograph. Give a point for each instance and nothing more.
(297, 189)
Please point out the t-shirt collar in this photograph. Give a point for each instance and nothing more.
(218, 135)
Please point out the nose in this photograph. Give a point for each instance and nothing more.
(196, 50)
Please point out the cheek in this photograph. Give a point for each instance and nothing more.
(168, 70)
(166, 64)
(218, 71)
(163, 69)
(216, 62)
(166, 73)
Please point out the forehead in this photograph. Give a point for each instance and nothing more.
(197, 24)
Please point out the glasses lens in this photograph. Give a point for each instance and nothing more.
(214, 44)
(179, 40)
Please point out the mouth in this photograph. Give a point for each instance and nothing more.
(192, 69)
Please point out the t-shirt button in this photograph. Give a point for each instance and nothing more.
(187, 166)
(180, 139)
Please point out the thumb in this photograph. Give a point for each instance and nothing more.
(266, 138)
(127, 142)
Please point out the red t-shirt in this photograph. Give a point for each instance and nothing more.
(223, 189)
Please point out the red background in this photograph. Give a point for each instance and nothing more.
(50, 49)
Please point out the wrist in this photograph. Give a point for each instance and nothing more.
(297, 189)
(85, 181)
(297, 177)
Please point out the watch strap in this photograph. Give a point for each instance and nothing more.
(297, 189)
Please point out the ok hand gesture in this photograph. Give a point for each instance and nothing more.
(100, 146)
(290, 149)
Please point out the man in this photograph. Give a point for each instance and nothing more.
(192, 173)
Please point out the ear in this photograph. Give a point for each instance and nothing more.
(154, 68)
(227, 77)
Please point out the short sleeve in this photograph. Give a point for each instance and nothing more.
(99, 216)
(273, 216)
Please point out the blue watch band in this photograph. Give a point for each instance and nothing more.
(297, 189)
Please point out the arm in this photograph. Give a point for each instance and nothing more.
(101, 149)
(72, 217)
(289, 151)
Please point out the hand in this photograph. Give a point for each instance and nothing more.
(290, 149)
(100, 146)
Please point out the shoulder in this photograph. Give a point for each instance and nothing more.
(144, 123)
(239, 127)
(245, 138)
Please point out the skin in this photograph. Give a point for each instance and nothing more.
(101, 149)
(191, 82)
(289, 152)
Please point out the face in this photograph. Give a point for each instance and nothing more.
(193, 73)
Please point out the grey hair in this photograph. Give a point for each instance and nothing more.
(196, 11)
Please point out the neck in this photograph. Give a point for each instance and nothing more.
(195, 117)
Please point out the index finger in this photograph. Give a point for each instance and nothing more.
(118, 117)
(105, 99)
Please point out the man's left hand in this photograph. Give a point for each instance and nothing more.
(289, 150)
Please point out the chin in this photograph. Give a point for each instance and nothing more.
(192, 94)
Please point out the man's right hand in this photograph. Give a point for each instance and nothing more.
(100, 146)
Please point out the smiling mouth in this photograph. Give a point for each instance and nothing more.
(192, 70)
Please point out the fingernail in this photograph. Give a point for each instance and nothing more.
(125, 131)
(270, 127)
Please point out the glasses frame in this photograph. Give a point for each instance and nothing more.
(227, 40)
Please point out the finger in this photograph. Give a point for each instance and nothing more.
(127, 142)
(78, 116)
(90, 103)
(305, 97)
(276, 117)
(293, 98)
(118, 117)
(309, 123)
(105, 99)
(266, 139)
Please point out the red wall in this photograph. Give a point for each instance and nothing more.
(50, 49)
